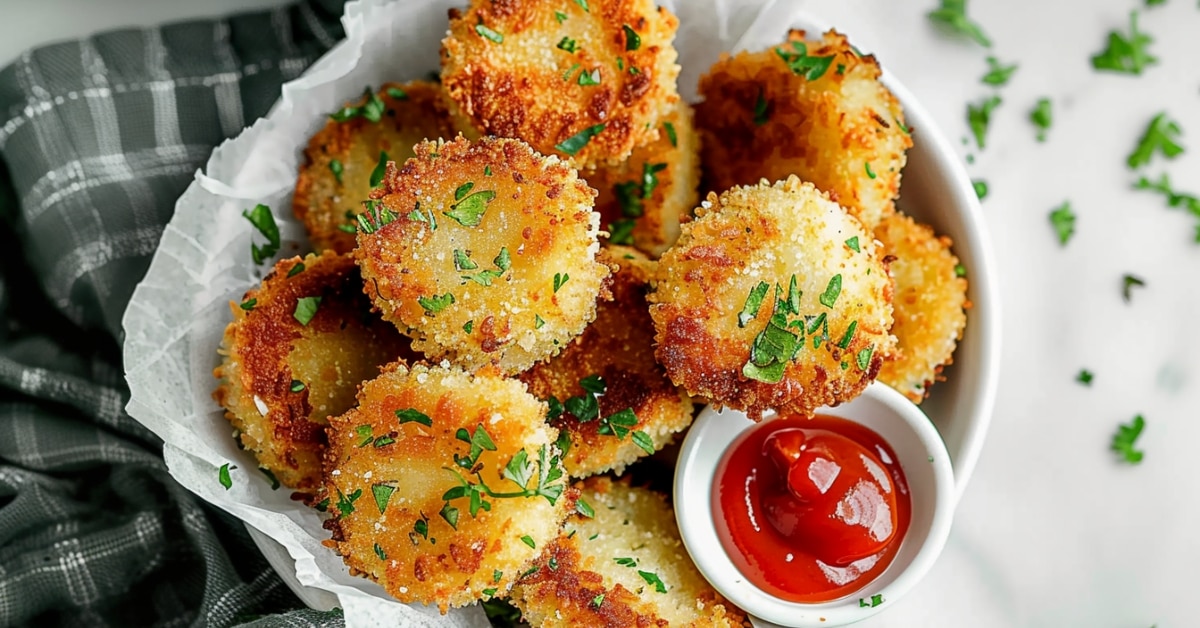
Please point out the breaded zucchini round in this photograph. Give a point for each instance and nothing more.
(344, 155)
(588, 81)
(635, 410)
(295, 353)
(626, 566)
(490, 255)
(642, 200)
(774, 298)
(413, 475)
(813, 109)
(928, 303)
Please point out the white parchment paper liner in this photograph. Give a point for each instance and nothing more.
(178, 313)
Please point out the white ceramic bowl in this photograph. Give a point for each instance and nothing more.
(921, 455)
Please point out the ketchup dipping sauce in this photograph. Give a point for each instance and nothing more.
(810, 510)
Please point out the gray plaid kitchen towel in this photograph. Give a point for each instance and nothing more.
(98, 137)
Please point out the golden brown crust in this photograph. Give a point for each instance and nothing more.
(768, 235)
(326, 202)
(617, 346)
(760, 120)
(515, 87)
(266, 351)
(504, 306)
(669, 169)
(388, 478)
(929, 302)
(586, 586)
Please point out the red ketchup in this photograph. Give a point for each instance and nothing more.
(810, 510)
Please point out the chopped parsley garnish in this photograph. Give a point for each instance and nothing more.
(560, 279)
(345, 503)
(576, 142)
(248, 304)
(497, 575)
(568, 44)
(412, 415)
(296, 269)
(463, 262)
(753, 303)
(306, 309)
(1127, 284)
(952, 16)
(621, 231)
(297, 386)
(584, 4)
(761, 113)
(560, 16)
(436, 303)
(670, 128)
(223, 476)
(397, 93)
(546, 473)
(642, 440)
(832, 290)
(489, 33)
(538, 322)
(564, 437)
(364, 434)
(484, 277)
(1042, 117)
(449, 514)
(870, 173)
(979, 116)
(468, 326)
(468, 211)
(652, 578)
(382, 493)
(1084, 377)
(380, 170)
(584, 508)
(849, 335)
(1123, 441)
(875, 600)
(853, 244)
(626, 561)
(777, 344)
(372, 110)
(1162, 135)
(528, 540)
(420, 527)
(598, 600)
(570, 71)
(1063, 220)
(589, 78)
(380, 553)
(489, 592)
(377, 216)
(335, 166)
(270, 478)
(383, 441)
(998, 74)
(981, 188)
(801, 64)
(264, 221)
(629, 197)
(633, 41)
(960, 270)
(1174, 199)
(863, 359)
(1127, 55)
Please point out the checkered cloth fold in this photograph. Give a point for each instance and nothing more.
(98, 137)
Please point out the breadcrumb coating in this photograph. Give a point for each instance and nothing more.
(774, 298)
(281, 378)
(340, 159)
(929, 304)
(654, 189)
(547, 72)
(606, 570)
(619, 347)
(829, 121)
(491, 256)
(396, 461)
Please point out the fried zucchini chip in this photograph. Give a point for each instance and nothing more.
(443, 484)
(774, 298)
(929, 304)
(295, 354)
(813, 109)
(483, 252)
(642, 200)
(608, 375)
(625, 566)
(343, 157)
(588, 81)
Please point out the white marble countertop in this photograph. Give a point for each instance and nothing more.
(1053, 530)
